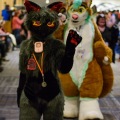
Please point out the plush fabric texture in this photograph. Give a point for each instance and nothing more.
(91, 76)
(59, 33)
(43, 100)
(99, 77)
(102, 79)
(54, 52)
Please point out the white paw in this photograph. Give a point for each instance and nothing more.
(90, 110)
(106, 60)
(71, 108)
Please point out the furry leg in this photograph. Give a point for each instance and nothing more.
(90, 110)
(71, 107)
(27, 112)
(54, 109)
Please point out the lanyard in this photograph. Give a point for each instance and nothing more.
(44, 84)
(40, 68)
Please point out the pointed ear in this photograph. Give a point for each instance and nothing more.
(58, 7)
(31, 6)
(69, 3)
(89, 2)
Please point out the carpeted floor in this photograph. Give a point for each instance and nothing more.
(110, 105)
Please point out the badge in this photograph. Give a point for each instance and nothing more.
(44, 84)
(31, 64)
(38, 47)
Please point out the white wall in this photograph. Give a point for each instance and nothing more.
(113, 2)
(117, 2)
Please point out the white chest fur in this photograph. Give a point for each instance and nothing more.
(83, 53)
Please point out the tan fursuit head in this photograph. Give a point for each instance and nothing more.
(91, 76)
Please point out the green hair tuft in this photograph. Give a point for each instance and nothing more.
(77, 3)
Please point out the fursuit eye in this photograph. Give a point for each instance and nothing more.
(50, 24)
(80, 9)
(36, 23)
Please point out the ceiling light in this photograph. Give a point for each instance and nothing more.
(47, 1)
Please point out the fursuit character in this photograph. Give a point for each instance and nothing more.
(41, 57)
(91, 76)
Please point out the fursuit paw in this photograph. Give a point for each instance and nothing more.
(71, 108)
(90, 110)
(73, 39)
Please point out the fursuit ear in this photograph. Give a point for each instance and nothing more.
(89, 2)
(58, 7)
(31, 6)
(68, 3)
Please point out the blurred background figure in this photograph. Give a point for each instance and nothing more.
(4, 43)
(117, 48)
(109, 30)
(10, 39)
(7, 14)
(17, 24)
(105, 31)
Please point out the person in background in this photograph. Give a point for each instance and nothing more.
(21, 37)
(3, 44)
(10, 39)
(17, 23)
(114, 39)
(117, 49)
(109, 34)
(6, 14)
(105, 31)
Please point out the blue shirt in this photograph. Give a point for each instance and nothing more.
(6, 14)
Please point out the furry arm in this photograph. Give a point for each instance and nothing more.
(73, 40)
(22, 80)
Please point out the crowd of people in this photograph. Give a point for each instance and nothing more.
(109, 26)
(13, 30)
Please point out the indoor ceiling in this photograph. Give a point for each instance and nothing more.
(45, 2)
(102, 5)
(106, 4)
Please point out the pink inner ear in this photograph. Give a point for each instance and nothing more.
(31, 6)
(56, 6)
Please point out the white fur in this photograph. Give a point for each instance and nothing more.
(71, 107)
(84, 52)
(106, 60)
(90, 110)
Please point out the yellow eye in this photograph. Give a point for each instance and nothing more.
(50, 24)
(36, 23)
(81, 9)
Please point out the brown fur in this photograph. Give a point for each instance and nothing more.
(100, 74)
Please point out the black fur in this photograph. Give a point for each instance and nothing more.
(57, 57)
(44, 16)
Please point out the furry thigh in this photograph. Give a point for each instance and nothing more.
(52, 111)
(27, 112)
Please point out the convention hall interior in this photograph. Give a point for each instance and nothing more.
(104, 10)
